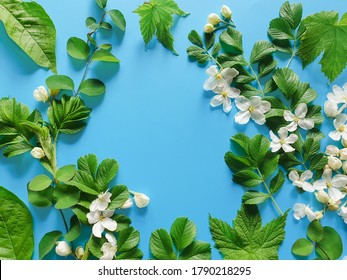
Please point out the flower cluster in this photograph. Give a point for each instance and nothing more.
(214, 20)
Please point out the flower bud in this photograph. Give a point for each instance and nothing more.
(127, 204)
(79, 252)
(41, 94)
(213, 19)
(332, 150)
(209, 28)
(334, 163)
(344, 142)
(330, 109)
(333, 205)
(322, 196)
(141, 200)
(63, 249)
(344, 167)
(319, 215)
(226, 12)
(37, 152)
(343, 154)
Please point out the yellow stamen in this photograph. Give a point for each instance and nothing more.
(342, 128)
(219, 76)
(251, 109)
(329, 184)
(224, 94)
(296, 119)
(282, 141)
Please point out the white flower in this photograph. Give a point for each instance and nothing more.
(127, 204)
(101, 203)
(322, 196)
(37, 152)
(298, 118)
(226, 12)
(300, 180)
(79, 252)
(253, 108)
(208, 28)
(344, 142)
(218, 79)
(109, 249)
(41, 94)
(332, 150)
(334, 163)
(62, 249)
(333, 184)
(302, 210)
(344, 167)
(333, 205)
(343, 214)
(343, 154)
(331, 109)
(213, 19)
(223, 95)
(141, 200)
(339, 95)
(101, 220)
(341, 128)
(282, 141)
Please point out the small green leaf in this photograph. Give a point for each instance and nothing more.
(40, 183)
(66, 196)
(127, 239)
(75, 229)
(287, 81)
(183, 232)
(94, 246)
(92, 87)
(107, 170)
(101, 3)
(60, 82)
(318, 161)
(161, 245)
(209, 40)
(310, 148)
(261, 49)
(216, 48)
(195, 38)
(258, 147)
(266, 66)
(280, 29)
(197, 250)
(255, 197)
(106, 47)
(104, 56)
(315, 231)
(120, 194)
(277, 182)
(268, 165)
(330, 247)
(48, 242)
(134, 254)
(77, 48)
(118, 19)
(66, 173)
(199, 54)
(42, 198)
(302, 247)
(84, 182)
(288, 160)
(232, 38)
(123, 222)
(237, 163)
(247, 178)
(292, 13)
(106, 25)
(88, 164)
(91, 23)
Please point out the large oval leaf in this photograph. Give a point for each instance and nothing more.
(31, 28)
(16, 228)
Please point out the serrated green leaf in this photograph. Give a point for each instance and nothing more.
(209, 39)
(255, 197)
(106, 172)
(303, 94)
(85, 182)
(287, 81)
(195, 38)
(31, 28)
(77, 48)
(242, 140)
(127, 239)
(236, 163)
(302, 247)
(118, 19)
(120, 194)
(233, 39)
(268, 164)
(310, 148)
(330, 247)
(123, 222)
(196, 251)
(199, 54)
(315, 231)
(261, 49)
(216, 48)
(324, 33)
(81, 213)
(248, 240)
(92, 87)
(230, 61)
(280, 30)
(134, 254)
(314, 113)
(16, 228)
(94, 246)
(65, 173)
(47, 242)
(247, 178)
(292, 13)
(288, 160)
(104, 56)
(182, 232)
(258, 147)
(40, 183)
(105, 47)
(318, 161)
(270, 86)
(161, 245)
(266, 66)
(277, 182)
(75, 229)
(88, 164)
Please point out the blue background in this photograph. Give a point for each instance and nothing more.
(155, 118)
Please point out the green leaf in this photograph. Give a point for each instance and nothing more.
(104, 56)
(47, 242)
(161, 245)
(248, 240)
(280, 29)
(60, 82)
(88, 164)
(233, 39)
(118, 19)
(237, 163)
(92, 87)
(197, 250)
(183, 233)
(81, 213)
(40, 183)
(258, 147)
(266, 66)
(318, 161)
(84, 182)
(209, 38)
(247, 178)
(268, 165)
(229, 60)
(292, 13)
(123, 222)
(101, 3)
(302, 247)
(315, 231)
(107, 171)
(66, 196)
(195, 38)
(156, 19)
(216, 48)
(277, 182)
(16, 228)
(94, 246)
(106, 25)
(287, 81)
(324, 33)
(127, 239)
(66, 173)
(42, 198)
(75, 229)
(120, 194)
(105, 47)
(77, 48)
(255, 197)
(199, 54)
(304, 94)
(31, 28)
(242, 140)
(261, 49)
(134, 254)
(310, 148)
(330, 247)
(91, 23)
(288, 160)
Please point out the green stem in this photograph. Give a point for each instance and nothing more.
(257, 79)
(269, 192)
(293, 53)
(96, 29)
(65, 223)
(214, 60)
(85, 72)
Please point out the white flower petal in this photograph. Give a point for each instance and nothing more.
(306, 124)
(93, 217)
(275, 147)
(226, 105)
(98, 229)
(327, 175)
(287, 148)
(233, 92)
(307, 187)
(319, 185)
(242, 117)
(283, 133)
(335, 194)
(293, 175)
(265, 107)
(242, 103)
(339, 181)
(212, 71)
(229, 74)
(108, 213)
(307, 175)
(288, 116)
(301, 110)
(216, 100)
(292, 138)
(335, 135)
(258, 117)
(109, 224)
(293, 126)
(274, 137)
(340, 120)
(111, 238)
(210, 83)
